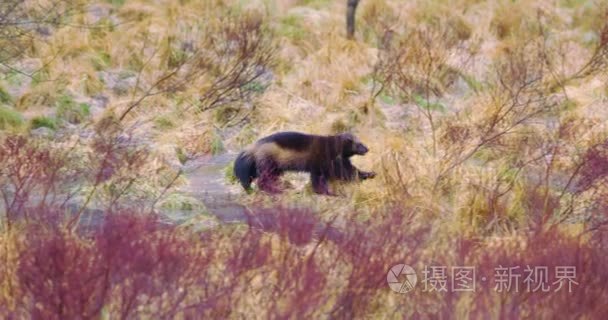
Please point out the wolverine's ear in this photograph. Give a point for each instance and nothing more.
(346, 136)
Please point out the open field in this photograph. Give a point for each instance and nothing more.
(486, 121)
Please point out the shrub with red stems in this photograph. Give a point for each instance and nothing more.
(132, 265)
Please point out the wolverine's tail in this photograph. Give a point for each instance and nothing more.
(245, 169)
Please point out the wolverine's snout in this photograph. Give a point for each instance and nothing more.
(361, 149)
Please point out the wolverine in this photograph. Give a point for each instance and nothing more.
(326, 158)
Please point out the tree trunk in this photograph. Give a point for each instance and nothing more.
(351, 7)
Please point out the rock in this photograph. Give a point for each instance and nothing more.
(42, 132)
(100, 101)
(98, 104)
(188, 46)
(119, 83)
(266, 75)
(98, 13)
(44, 31)
(590, 37)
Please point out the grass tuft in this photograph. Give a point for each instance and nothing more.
(10, 118)
(43, 122)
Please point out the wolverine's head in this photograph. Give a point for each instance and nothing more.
(352, 146)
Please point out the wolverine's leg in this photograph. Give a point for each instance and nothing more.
(268, 177)
(346, 171)
(355, 173)
(365, 174)
(319, 184)
(342, 169)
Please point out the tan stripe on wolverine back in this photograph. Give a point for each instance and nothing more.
(280, 155)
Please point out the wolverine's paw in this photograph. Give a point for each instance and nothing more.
(367, 175)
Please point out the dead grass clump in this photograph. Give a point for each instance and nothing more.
(509, 18)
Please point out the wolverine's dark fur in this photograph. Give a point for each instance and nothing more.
(344, 170)
(324, 157)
